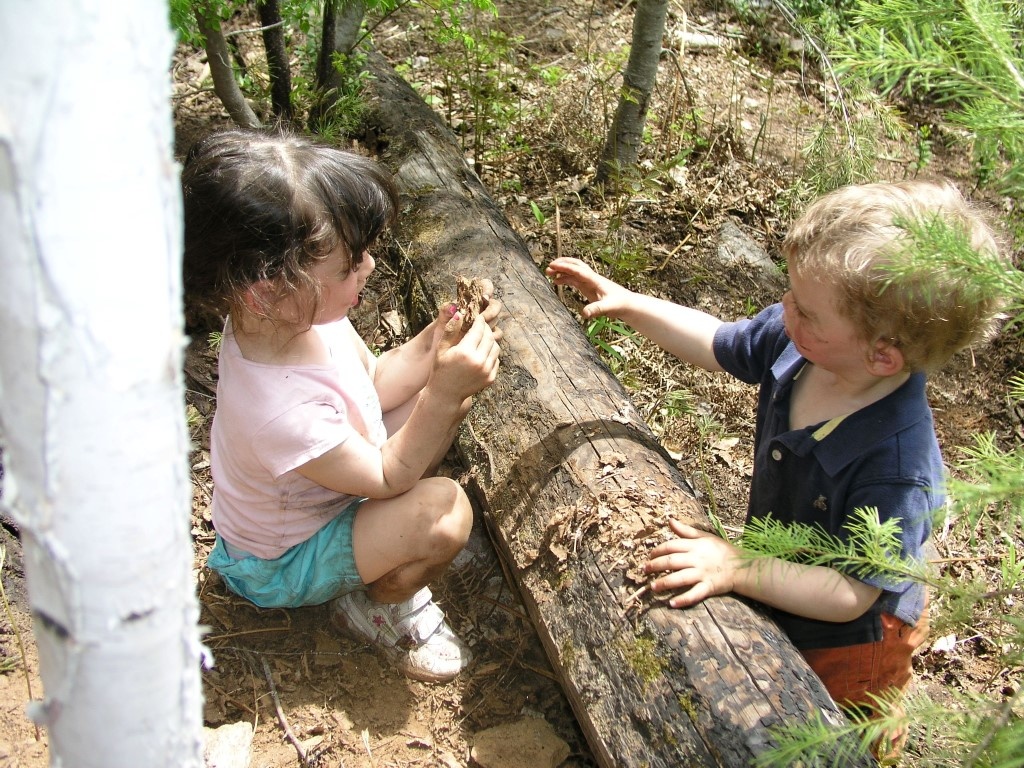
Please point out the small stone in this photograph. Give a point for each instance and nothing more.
(229, 746)
(528, 743)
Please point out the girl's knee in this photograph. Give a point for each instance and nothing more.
(451, 513)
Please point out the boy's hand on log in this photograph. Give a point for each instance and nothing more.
(605, 297)
(699, 563)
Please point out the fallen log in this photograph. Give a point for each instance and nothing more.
(575, 488)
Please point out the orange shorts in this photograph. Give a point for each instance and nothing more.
(856, 673)
(852, 674)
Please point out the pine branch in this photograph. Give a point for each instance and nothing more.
(873, 548)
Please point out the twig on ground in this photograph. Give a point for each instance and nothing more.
(281, 719)
(229, 635)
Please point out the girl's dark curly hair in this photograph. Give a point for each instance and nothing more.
(268, 207)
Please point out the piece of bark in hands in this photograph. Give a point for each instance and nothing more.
(469, 297)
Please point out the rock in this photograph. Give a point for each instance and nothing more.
(700, 40)
(735, 247)
(229, 746)
(528, 743)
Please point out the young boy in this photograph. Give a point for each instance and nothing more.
(843, 421)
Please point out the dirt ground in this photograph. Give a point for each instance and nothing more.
(741, 109)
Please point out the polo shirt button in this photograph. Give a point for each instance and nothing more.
(777, 454)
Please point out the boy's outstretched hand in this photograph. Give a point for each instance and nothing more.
(700, 563)
(605, 297)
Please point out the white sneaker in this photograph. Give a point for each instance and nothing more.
(414, 632)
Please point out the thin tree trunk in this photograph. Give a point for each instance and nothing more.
(342, 21)
(277, 58)
(94, 433)
(341, 24)
(224, 84)
(623, 143)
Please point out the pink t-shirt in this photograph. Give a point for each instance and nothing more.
(271, 419)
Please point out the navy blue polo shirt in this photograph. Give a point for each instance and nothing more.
(885, 455)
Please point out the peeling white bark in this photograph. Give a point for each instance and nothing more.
(91, 415)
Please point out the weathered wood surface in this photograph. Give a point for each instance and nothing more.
(573, 484)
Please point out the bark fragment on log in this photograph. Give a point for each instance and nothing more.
(575, 488)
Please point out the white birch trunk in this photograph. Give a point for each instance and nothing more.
(91, 396)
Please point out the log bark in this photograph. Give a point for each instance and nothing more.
(575, 488)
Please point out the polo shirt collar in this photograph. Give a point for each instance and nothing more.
(850, 436)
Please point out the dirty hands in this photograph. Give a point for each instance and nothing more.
(700, 563)
(466, 356)
(490, 310)
(605, 296)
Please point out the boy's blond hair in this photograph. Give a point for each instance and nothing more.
(852, 238)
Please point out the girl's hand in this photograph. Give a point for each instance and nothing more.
(699, 563)
(466, 359)
(605, 297)
(490, 310)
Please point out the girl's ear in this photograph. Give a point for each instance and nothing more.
(886, 359)
(260, 297)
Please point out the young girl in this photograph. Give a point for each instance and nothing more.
(321, 453)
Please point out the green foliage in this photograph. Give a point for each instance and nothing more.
(626, 259)
(937, 253)
(872, 549)
(183, 21)
(675, 403)
(347, 109)
(607, 335)
(304, 16)
(303, 22)
(710, 431)
(819, 743)
(183, 16)
(192, 416)
(993, 473)
(844, 150)
(923, 147)
(552, 75)
(962, 55)
(975, 732)
(478, 68)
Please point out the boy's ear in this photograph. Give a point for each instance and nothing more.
(886, 359)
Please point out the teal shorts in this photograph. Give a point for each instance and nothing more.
(317, 570)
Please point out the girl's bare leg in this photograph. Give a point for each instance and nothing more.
(404, 543)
